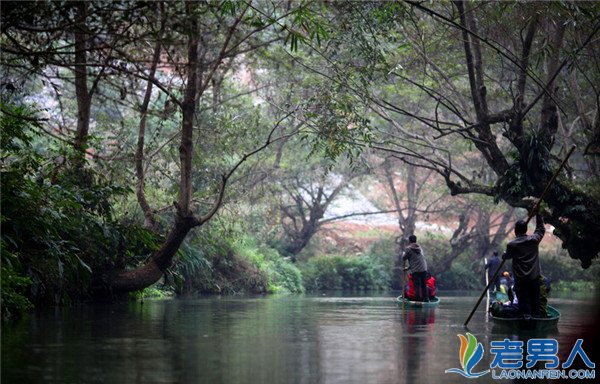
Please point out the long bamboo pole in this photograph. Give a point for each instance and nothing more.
(487, 283)
(403, 273)
(531, 214)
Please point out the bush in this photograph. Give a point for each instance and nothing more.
(59, 236)
(287, 277)
(348, 273)
(282, 275)
(217, 261)
(14, 286)
(460, 276)
(320, 273)
(384, 253)
(557, 266)
(152, 292)
(575, 286)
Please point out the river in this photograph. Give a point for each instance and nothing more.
(331, 338)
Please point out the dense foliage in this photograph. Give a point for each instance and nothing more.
(347, 273)
(59, 235)
(229, 262)
(205, 147)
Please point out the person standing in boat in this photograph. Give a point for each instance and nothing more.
(509, 280)
(510, 285)
(491, 267)
(524, 252)
(418, 267)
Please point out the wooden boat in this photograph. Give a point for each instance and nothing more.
(418, 304)
(533, 324)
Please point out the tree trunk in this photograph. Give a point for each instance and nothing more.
(459, 243)
(188, 108)
(485, 140)
(149, 221)
(412, 198)
(82, 94)
(151, 272)
(317, 205)
(395, 198)
(406, 223)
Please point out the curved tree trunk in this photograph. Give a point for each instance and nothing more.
(309, 224)
(151, 272)
(573, 213)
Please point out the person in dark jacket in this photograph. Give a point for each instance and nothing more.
(524, 252)
(418, 267)
(491, 267)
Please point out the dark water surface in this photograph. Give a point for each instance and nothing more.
(273, 339)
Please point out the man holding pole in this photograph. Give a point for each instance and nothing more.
(524, 251)
(418, 267)
(533, 266)
(491, 267)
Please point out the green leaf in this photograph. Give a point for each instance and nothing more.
(83, 264)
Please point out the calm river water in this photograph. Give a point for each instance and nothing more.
(272, 339)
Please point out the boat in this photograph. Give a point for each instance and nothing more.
(533, 324)
(418, 304)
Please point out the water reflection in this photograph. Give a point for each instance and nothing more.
(419, 319)
(417, 347)
(255, 340)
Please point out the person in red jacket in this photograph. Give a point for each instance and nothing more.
(430, 285)
(409, 290)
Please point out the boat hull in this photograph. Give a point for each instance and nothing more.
(533, 324)
(418, 304)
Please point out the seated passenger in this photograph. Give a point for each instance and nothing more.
(508, 310)
(409, 289)
(430, 286)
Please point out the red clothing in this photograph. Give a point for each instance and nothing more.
(410, 291)
(410, 294)
(431, 285)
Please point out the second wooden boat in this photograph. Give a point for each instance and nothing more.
(532, 324)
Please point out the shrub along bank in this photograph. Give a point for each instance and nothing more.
(214, 262)
(59, 233)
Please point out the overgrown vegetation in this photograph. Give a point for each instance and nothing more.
(58, 235)
(347, 273)
(201, 144)
(229, 262)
